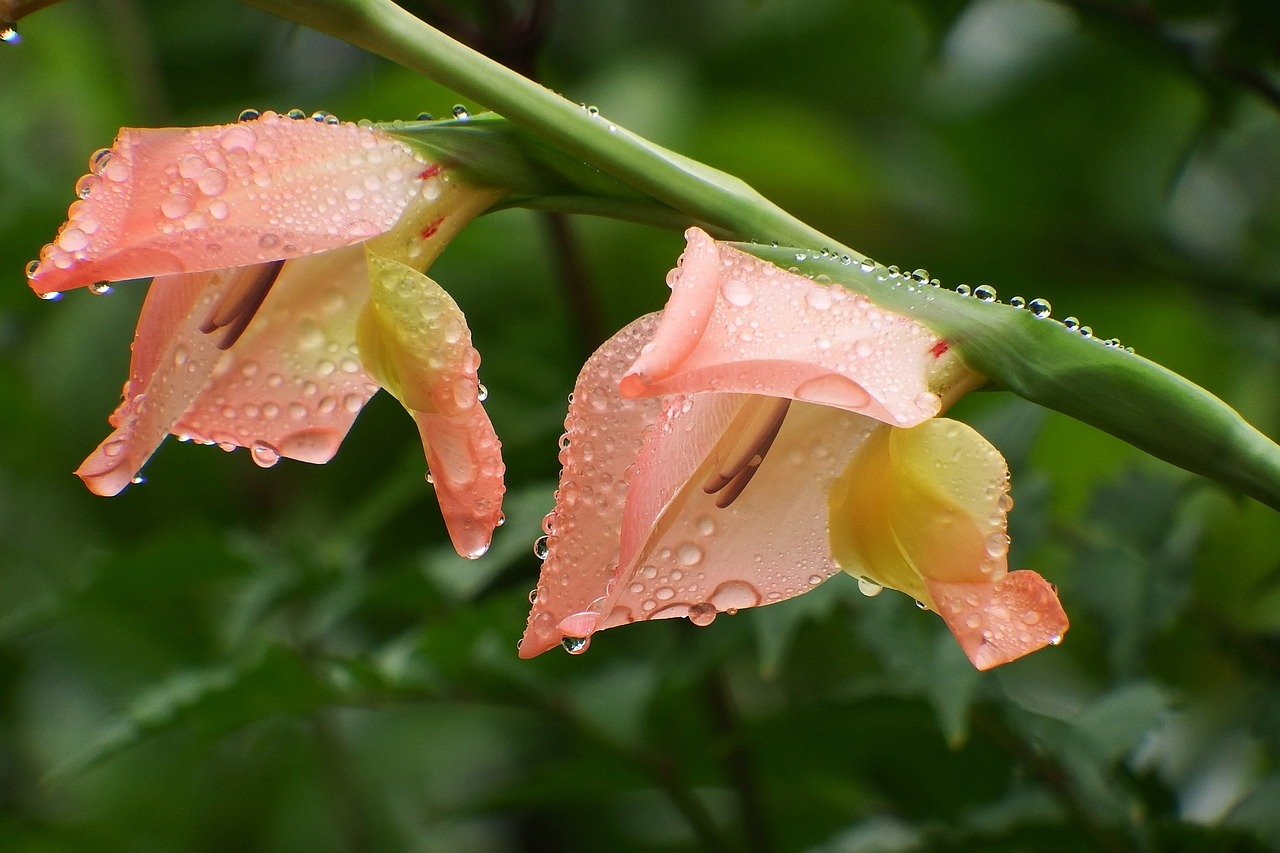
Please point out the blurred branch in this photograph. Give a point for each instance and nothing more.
(757, 833)
(1140, 17)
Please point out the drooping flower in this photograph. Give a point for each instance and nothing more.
(761, 433)
(288, 258)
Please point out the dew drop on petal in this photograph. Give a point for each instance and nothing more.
(702, 614)
(869, 588)
(575, 645)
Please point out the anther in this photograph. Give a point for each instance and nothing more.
(746, 442)
(241, 301)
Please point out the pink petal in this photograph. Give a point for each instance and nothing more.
(415, 339)
(291, 386)
(696, 558)
(173, 200)
(293, 383)
(738, 324)
(171, 362)
(1002, 621)
(603, 434)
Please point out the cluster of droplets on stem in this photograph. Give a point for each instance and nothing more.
(1038, 307)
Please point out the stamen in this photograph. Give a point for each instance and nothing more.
(240, 303)
(747, 441)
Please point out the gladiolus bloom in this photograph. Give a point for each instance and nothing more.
(760, 434)
(288, 258)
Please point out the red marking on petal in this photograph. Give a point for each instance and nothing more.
(430, 172)
(431, 229)
(939, 349)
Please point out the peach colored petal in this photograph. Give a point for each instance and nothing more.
(923, 511)
(171, 362)
(680, 554)
(415, 340)
(1002, 621)
(173, 200)
(697, 558)
(776, 333)
(293, 383)
(603, 434)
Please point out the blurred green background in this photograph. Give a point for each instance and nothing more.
(227, 658)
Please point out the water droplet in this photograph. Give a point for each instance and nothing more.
(920, 275)
(575, 645)
(502, 519)
(9, 33)
(431, 481)
(460, 112)
(867, 265)
(426, 117)
(1056, 639)
(1072, 323)
(541, 548)
(482, 393)
(1086, 331)
(1017, 302)
(264, 454)
(920, 605)
(703, 614)
(689, 554)
(32, 266)
(51, 296)
(296, 114)
(138, 480)
(732, 596)
(248, 115)
(100, 288)
(869, 588)
(706, 526)
(99, 160)
(533, 596)
(319, 115)
(998, 544)
(985, 293)
(86, 185)
(962, 289)
(175, 205)
(1040, 308)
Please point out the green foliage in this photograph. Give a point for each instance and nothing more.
(226, 658)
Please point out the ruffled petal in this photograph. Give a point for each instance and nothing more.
(172, 361)
(174, 200)
(603, 434)
(637, 535)
(1001, 621)
(293, 383)
(923, 511)
(415, 340)
(735, 323)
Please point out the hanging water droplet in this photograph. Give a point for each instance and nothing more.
(1072, 323)
(1040, 308)
(920, 605)
(296, 114)
(962, 289)
(431, 481)
(138, 480)
(100, 288)
(460, 112)
(575, 645)
(869, 588)
(702, 614)
(1056, 639)
(249, 115)
(541, 547)
(482, 393)
(1017, 302)
(32, 266)
(51, 296)
(9, 33)
(985, 293)
(533, 596)
(502, 519)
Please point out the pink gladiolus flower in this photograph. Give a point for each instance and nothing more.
(288, 258)
(760, 434)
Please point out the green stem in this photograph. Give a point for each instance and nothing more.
(695, 189)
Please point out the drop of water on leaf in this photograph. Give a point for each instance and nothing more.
(1072, 323)
(1040, 308)
(1086, 331)
(985, 293)
(426, 117)
(962, 289)
(1017, 302)
(460, 112)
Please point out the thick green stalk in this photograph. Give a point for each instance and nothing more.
(703, 193)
